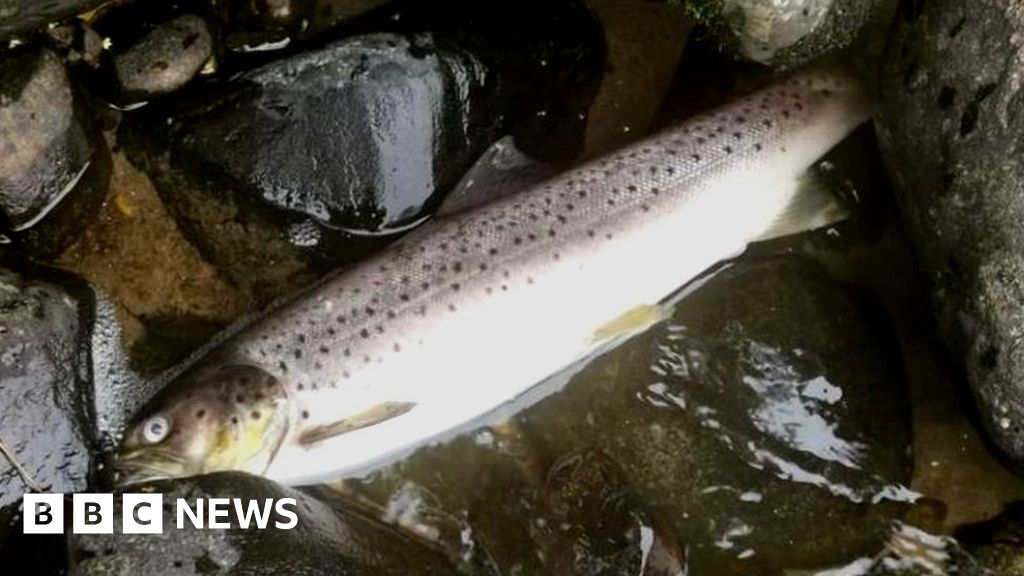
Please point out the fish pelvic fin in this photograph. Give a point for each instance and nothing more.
(371, 417)
(812, 205)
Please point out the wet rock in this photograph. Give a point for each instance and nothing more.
(592, 524)
(997, 545)
(54, 167)
(325, 542)
(45, 376)
(385, 123)
(773, 400)
(164, 60)
(788, 33)
(949, 123)
(18, 16)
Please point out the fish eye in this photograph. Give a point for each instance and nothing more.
(155, 429)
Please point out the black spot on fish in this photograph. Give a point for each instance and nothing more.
(255, 414)
(234, 419)
(341, 320)
(200, 414)
(456, 286)
(403, 297)
(493, 251)
(758, 147)
(301, 386)
(728, 149)
(324, 350)
(451, 308)
(305, 414)
(297, 353)
(364, 333)
(348, 352)
(396, 347)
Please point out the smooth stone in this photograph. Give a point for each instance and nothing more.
(165, 59)
(326, 542)
(54, 166)
(949, 124)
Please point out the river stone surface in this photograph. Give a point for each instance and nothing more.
(54, 167)
(773, 400)
(788, 33)
(164, 60)
(326, 541)
(18, 16)
(949, 126)
(44, 391)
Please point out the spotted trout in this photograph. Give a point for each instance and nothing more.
(475, 308)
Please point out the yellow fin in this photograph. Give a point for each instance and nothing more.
(375, 415)
(632, 321)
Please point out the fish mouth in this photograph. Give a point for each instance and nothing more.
(139, 468)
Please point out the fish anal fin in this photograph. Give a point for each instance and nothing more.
(813, 205)
(370, 417)
(632, 321)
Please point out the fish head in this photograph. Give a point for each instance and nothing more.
(227, 417)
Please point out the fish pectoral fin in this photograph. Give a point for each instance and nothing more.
(813, 205)
(632, 321)
(373, 416)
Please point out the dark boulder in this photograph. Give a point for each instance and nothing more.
(949, 126)
(774, 399)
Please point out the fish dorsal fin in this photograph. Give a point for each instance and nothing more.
(502, 170)
(370, 417)
(812, 205)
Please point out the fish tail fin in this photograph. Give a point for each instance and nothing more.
(812, 205)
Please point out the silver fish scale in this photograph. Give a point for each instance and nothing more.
(372, 313)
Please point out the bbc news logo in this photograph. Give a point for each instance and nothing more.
(143, 513)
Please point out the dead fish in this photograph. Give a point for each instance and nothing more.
(475, 308)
